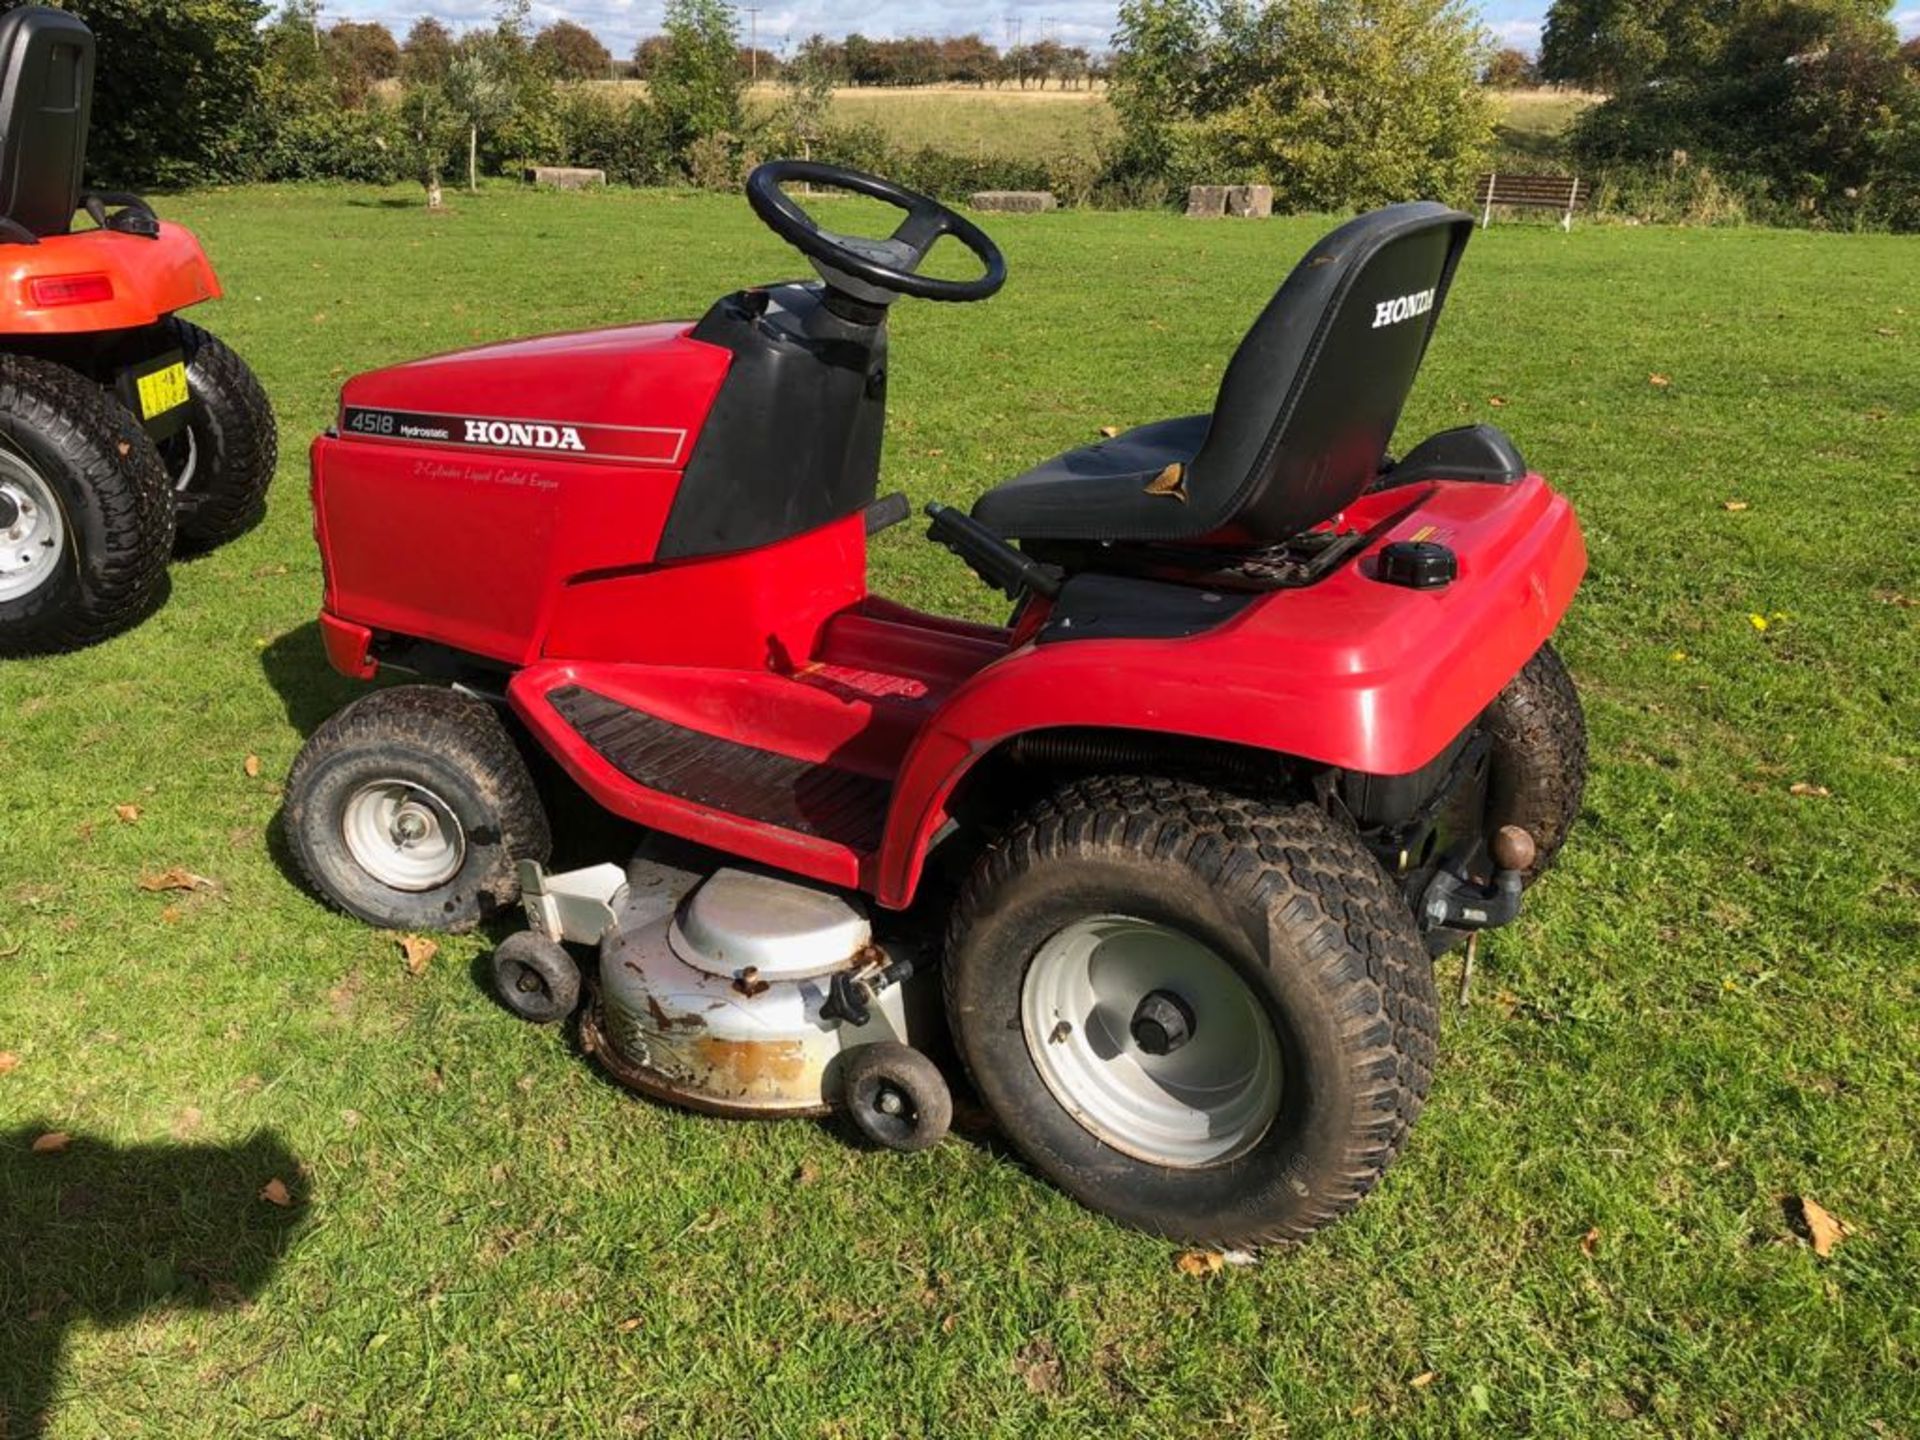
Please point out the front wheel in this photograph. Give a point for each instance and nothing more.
(412, 809)
(1207, 1016)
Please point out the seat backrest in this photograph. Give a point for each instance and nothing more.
(1309, 402)
(46, 96)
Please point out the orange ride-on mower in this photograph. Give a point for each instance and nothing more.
(126, 433)
(1275, 718)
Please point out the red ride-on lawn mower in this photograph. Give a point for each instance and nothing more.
(1275, 718)
(125, 432)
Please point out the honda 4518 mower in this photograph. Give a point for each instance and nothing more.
(1274, 720)
(125, 432)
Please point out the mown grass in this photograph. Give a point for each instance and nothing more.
(1709, 1007)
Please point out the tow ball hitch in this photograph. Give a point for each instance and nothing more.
(1454, 902)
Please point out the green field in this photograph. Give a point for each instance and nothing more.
(1708, 1010)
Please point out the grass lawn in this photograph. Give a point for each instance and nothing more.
(1710, 1007)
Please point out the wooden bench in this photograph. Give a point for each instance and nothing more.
(1564, 193)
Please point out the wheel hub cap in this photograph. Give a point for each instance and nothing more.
(1151, 1041)
(403, 835)
(33, 531)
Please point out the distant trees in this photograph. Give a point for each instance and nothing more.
(1510, 69)
(572, 52)
(1807, 107)
(955, 60)
(1335, 103)
(428, 52)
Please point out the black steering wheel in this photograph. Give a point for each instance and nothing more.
(889, 265)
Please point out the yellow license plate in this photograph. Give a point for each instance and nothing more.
(162, 391)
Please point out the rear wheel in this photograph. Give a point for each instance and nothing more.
(412, 809)
(221, 464)
(1207, 1016)
(86, 523)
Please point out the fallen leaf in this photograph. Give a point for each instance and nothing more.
(1734, 505)
(1659, 382)
(52, 1143)
(275, 1192)
(126, 814)
(418, 952)
(1200, 1263)
(9, 1062)
(1109, 431)
(1039, 1366)
(1424, 1379)
(1497, 401)
(629, 1325)
(125, 449)
(1895, 598)
(1824, 1229)
(1678, 655)
(252, 767)
(1170, 481)
(1590, 1242)
(1759, 622)
(1239, 1257)
(171, 915)
(1886, 330)
(176, 878)
(1809, 790)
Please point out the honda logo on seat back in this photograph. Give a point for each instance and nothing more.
(522, 436)
(1392, 312)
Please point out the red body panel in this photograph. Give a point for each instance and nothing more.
(476, 547)
(542, 558)
(151, 279)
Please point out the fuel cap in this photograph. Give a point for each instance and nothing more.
(1418, 564)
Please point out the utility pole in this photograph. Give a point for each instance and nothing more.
(753, 44)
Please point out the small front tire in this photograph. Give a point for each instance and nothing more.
(536, 978)
(412, 809)
(896, 1096)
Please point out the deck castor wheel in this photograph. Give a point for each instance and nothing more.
(897, 1096)
(536, 978)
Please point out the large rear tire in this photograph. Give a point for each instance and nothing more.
(88, 519)
(223, 461)
(1207, 1016)
(412, 809)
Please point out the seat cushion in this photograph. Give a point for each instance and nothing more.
(1106, 491)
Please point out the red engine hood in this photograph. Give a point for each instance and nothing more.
(636, 394)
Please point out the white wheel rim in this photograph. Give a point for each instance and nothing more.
(35, 535)
(403, 835)
(1207, 1101)
(189, 463)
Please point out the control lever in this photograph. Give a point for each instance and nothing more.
(850, 993)
(988, 556)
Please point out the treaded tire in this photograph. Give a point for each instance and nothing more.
(448, 744)
(114, 500)
(236, 444)
(535, 978)
(1304, 915)
(1539, 761)
(1538, 766)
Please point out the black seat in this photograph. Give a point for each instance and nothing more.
(1304, 414)
(46, 96)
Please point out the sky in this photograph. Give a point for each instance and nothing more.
(622, 23)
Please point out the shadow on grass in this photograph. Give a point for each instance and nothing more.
(104, 1234)
(309, 688)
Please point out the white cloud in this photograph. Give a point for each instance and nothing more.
(1520, 34)
(1908, 22)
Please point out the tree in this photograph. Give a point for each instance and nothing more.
(1509, 69)
(572, 52)
(360, 56)
(181, 83)
(429, 51)
(1614, 45)
(432, 125)
(646, 56)
(1338, 104)
(479, 88)
(696, 84)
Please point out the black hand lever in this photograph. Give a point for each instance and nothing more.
(988, 556)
